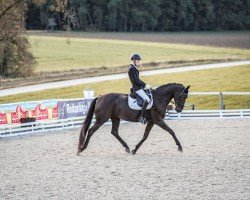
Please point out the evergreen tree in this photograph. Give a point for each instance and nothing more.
(232, 15)
(167, 17)
(147, 15)
(204, 15)
(184, 15)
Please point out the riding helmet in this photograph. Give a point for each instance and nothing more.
(135, 56)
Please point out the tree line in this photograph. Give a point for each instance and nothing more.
(143, 15)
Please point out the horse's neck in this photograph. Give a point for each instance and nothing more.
(167, 92)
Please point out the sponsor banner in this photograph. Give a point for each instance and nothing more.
(72, 108)
(12, 113)
(3, 118)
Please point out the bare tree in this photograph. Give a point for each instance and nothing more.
(15, 57)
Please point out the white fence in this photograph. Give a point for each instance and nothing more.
(206, 114)
(10, 130)
(221, 95)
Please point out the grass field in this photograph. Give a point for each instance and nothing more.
(62, 53)
(214, 80)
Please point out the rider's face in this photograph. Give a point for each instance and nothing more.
(137, 62)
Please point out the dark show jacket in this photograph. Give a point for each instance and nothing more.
(136, 82)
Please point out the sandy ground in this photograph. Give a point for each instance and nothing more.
(215, 164)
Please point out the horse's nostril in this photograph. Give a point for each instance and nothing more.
(178, 110)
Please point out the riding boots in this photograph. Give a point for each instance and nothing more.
(142, 117)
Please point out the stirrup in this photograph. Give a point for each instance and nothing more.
(142, 120)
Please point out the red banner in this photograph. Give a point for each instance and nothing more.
(18, 114)
(3, 118)
(40, 113)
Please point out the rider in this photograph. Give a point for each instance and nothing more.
(138, 85)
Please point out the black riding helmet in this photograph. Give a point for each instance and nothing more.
(135, 56)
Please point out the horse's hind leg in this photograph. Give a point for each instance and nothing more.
(91, 131)
(164, 126)
(145, 136)
(114, 131)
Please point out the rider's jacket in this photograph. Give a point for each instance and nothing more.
(136, 82)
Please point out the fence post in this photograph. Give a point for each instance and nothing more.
(221, 101)
(179, 115)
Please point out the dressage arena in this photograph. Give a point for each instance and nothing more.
(215, 163)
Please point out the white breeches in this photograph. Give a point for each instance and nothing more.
(143, 95)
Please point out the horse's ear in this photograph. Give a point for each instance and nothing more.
(186, 89)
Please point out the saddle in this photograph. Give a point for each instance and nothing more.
(135, 101)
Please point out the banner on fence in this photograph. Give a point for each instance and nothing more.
(72, 108)
(42, 110)
(12, 113)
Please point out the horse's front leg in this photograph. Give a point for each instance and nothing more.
(145, 136)
(164, 126)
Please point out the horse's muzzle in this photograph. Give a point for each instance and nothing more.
(178, 110)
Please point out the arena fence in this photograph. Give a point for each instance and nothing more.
(10, 130)
(220, 95)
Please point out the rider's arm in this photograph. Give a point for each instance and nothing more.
(135, 79)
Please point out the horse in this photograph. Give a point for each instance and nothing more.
(114, 106)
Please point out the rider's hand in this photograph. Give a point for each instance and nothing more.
(147, 86)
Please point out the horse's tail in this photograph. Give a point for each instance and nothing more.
(86, 125)
(89, 115)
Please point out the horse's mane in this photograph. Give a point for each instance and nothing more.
(169, 84)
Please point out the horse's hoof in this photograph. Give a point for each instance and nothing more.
(79, 151)
(180, 149)
(127, 150)
(133, 152)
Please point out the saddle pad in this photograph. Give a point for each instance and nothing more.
(132, 103)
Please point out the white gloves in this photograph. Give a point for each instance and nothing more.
(147, 86)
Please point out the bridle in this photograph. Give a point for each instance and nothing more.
(176, 103)
(180, 96)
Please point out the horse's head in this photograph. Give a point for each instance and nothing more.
(174, 91)
(180, 97)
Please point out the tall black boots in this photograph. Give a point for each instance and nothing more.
(142, 117)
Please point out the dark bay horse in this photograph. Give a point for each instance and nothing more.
(114, 106)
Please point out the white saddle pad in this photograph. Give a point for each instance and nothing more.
(132, 103)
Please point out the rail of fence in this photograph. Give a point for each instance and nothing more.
(220, 95)
(10, 130)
